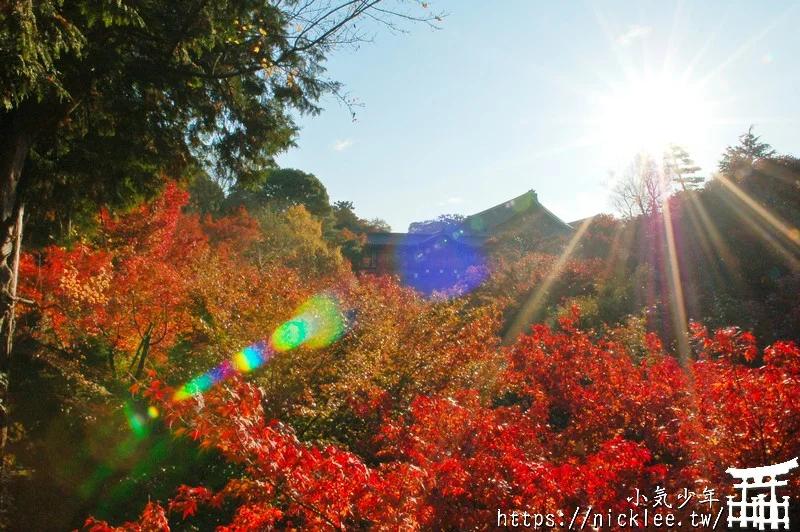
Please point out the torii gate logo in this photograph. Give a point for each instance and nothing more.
(758, 510)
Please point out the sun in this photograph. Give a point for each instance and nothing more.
(647, 113)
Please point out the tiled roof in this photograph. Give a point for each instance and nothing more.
(476, 227)
(578, 223)
(492, 218)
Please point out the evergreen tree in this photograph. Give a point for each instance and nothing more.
(443, 222)
(749, 150)
(683, 168)
(106, 97)
(282, 189)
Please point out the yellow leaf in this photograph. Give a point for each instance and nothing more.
(299, 27)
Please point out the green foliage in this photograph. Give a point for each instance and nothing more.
(85, 455)
(281, 189)
(106, 96)
(345, 217)
(748, 151)
(379, 225)
(294, 238)
(747, 248)
(622, 294)
(205, 195)
(33, 36)
(348, 230)
(443, 222)
(683, 168)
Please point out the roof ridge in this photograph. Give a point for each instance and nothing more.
(530, 192)
(548, 211)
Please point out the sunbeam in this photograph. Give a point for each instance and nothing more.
(680, 321)
(714, 246)
(523, 318)
(784, 238)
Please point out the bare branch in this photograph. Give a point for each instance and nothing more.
(641, 189)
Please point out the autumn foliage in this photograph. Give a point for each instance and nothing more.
(571, 421)
(418, 417)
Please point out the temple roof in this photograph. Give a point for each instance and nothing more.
(477, 227)
(493, 218)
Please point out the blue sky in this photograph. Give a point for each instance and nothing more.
(551, 96)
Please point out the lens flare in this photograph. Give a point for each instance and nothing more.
(316, 323)
(136, 421)
(450, 263)
(291, 334)
(206, 381)
(251, 357)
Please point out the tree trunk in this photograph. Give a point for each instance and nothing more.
(18, 130)
(111, 364)
(12, 160)
(8, 300)
(18, 133)
(141, 353)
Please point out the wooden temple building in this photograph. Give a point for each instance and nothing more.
(430, 261)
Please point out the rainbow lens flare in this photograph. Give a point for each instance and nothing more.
(204, 382)
(251, 357)
(316, 323)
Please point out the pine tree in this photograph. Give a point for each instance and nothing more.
(749, 150)
(683, 168)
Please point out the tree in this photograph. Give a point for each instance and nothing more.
(572, 419)
(294, 238)
(348, 231)
(284, 188)
(749, 150)
(683, 168)
(344, 217)
(443, 222)
(641, 188)
(205, 195)
(379, 225)
(127, 298)
(109, 95)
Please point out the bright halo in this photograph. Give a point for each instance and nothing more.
(648, 113)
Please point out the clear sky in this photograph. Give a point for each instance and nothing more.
(517, 95)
